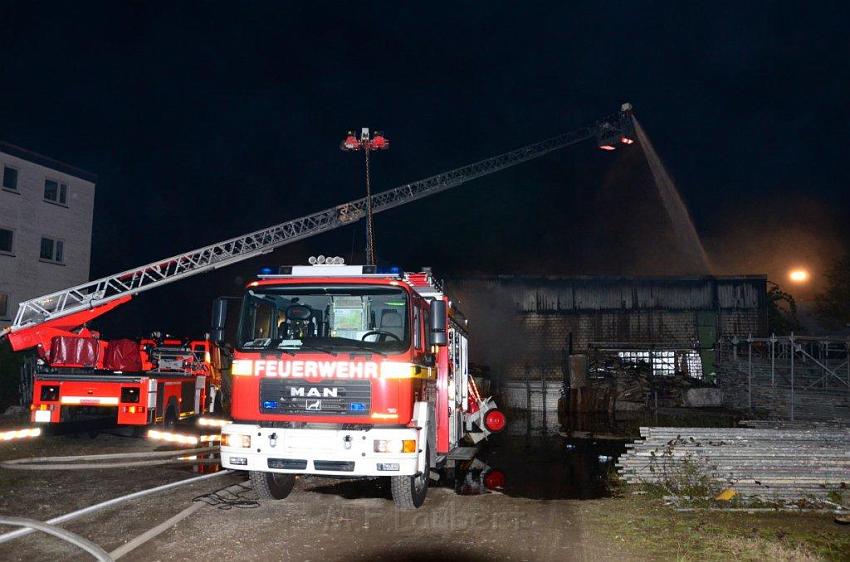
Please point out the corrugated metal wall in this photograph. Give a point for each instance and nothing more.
(520, 325)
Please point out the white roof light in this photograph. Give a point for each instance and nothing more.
(322, 260)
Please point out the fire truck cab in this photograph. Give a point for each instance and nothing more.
(349, 371)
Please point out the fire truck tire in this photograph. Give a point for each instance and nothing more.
(272, 485)
(409, 491)
(218, 405)
(169, 421)
(225, 393)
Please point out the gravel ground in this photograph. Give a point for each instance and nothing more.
(322, 523)
(322, 520)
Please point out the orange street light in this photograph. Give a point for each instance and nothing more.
(798, 276)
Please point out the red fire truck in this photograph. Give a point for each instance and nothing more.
(346, 371)
(79, 377)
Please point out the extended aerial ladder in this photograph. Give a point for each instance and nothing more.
(69, 308)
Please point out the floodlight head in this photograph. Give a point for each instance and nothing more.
(379, 142)
(350, 142)
(607, 136)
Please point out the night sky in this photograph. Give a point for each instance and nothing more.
(205, 120)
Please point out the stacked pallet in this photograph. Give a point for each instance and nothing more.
(767, 465)
(799, 424)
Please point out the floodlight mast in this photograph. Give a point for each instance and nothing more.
(366, 144)
(72, 307)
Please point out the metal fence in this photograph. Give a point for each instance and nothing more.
(789, 376)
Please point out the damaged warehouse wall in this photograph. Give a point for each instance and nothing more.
(521, 324)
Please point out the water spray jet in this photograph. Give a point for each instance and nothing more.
(677, 211)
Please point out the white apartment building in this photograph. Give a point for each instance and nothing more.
(46, 210)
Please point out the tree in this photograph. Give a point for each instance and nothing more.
(833, 305)
(781, 312)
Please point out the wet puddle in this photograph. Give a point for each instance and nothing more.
(545, 467)
(538, 458)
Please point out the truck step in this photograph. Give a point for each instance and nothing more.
(462, 453)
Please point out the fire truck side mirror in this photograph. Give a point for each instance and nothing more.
(439, 319)
(219, 320)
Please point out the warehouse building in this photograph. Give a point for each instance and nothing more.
(522, 326)
(46, 209)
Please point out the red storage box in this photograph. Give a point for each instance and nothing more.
(73, 351)
(123, 355)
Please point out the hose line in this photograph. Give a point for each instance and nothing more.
(108, 503)
(67, 536)
(70, 463)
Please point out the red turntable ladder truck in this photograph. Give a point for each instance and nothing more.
(81, 377)
(344, 371)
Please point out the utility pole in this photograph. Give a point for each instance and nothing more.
(366, 144)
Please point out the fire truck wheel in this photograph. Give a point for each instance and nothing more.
(409, 491)
(169, 422)
(272, 485)
(218, 405)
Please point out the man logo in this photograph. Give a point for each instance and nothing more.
(314, 406)
(313, 392)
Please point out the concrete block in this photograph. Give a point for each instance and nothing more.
(704, 397)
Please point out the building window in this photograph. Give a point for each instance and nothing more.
(10, 178)
(7, 242)
(52, 250)
(662, 363)
(666, 363)
(56, 192)
(4, 306)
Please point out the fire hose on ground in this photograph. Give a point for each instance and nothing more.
(59, 532)
(73, 462)
(109, 503)
(95, 550)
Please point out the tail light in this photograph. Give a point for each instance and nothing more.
(133, 409)
(42, 407)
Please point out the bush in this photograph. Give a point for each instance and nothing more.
(690, 476)
(10, 376)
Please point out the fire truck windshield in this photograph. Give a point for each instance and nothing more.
(325, 319)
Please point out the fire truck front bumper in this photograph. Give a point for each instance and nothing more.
(327, 452)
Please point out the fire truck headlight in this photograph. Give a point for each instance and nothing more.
(236, 440)
(213, 422)
(20, 433)
(395, 446)
(397, 370)
(242, 367)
